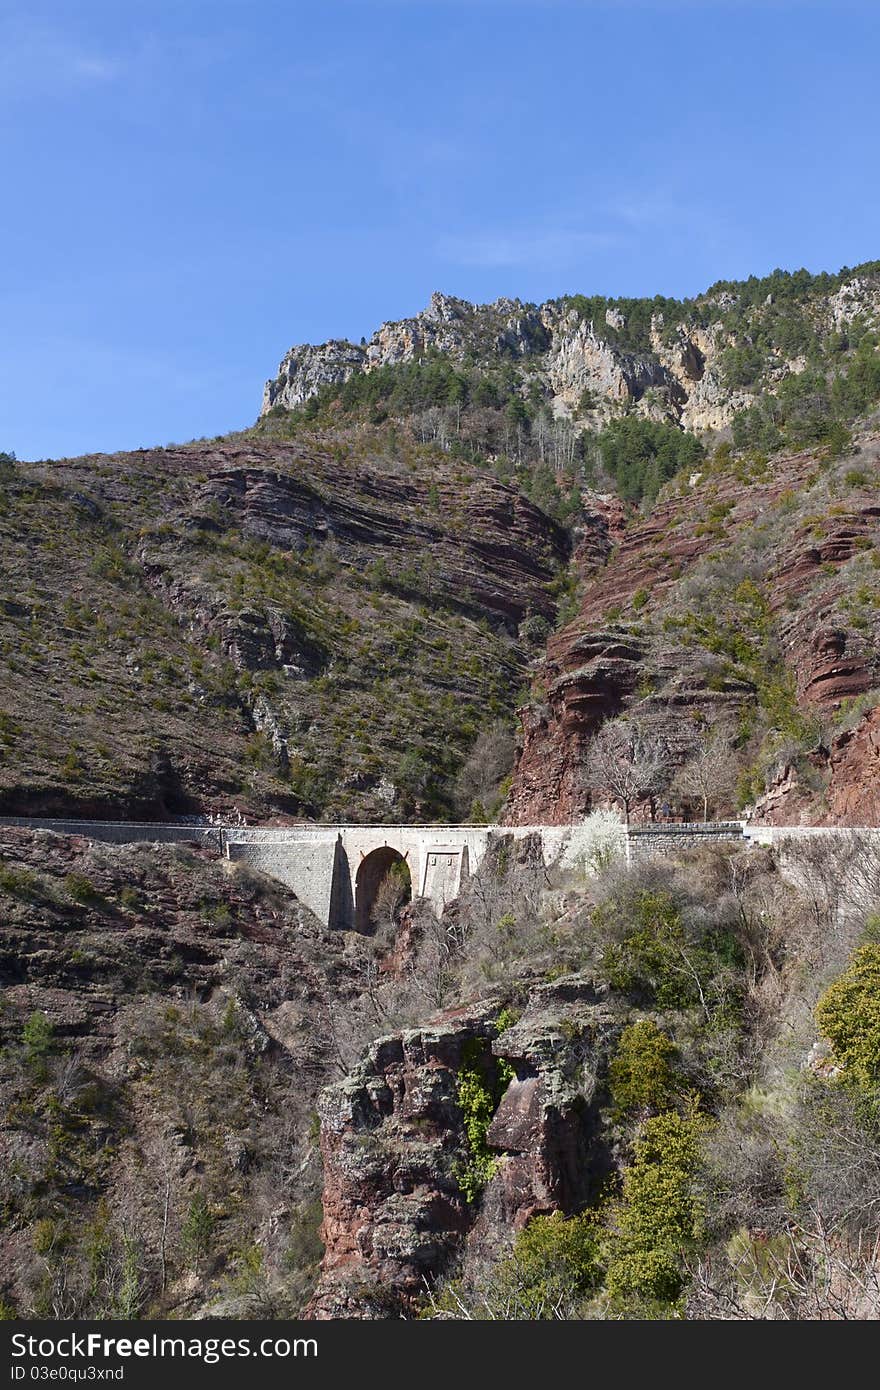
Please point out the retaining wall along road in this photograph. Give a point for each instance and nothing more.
(335, 869)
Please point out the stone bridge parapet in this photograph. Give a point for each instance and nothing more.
(336, 870)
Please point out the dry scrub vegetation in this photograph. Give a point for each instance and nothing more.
(745, 1134)
(167, 1027)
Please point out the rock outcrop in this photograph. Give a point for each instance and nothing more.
(393, 1141)
(665, 632)
(306, 369)
(448, 325)
(574, 356)
(849, 773)
(587, 366)
(580, 360)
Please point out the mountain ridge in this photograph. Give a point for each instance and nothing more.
(343, 613)
(693, 361)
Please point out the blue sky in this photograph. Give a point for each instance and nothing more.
(193, 185)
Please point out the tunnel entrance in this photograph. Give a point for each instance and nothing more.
(382, 885)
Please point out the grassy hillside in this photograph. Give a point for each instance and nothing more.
(320, 630)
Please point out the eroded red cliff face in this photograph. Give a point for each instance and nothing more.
(659, 634)
(850, 769)
(854, 793)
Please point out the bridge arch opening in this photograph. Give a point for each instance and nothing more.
(382, 885)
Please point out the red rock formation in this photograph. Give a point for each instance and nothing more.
(392, 1138)
(632, 649)
(854, 790)
(390, 1134)
(850, 769)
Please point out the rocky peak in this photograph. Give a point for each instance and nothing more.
(445, 308)
(857, 297)
(680, 374)
(305, 370)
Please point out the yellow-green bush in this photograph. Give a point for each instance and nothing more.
(659, 1214)
(641, 1072)
(479, 1087)
(552, 1272)
(848, 1015)
(555, 1259)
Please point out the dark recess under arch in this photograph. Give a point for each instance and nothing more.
(371, 871)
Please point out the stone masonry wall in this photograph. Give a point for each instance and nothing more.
(647, 841)
(319, 862)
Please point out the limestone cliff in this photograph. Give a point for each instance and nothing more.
(589, 359)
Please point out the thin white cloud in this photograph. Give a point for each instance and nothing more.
(539, 250)
(623, 5)
(36, 59)
(92, 68)
(645, 214)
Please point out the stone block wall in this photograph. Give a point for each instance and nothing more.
(647, 841)
(122, 832)
(319, 863)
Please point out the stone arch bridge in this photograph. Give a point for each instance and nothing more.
(336, 870)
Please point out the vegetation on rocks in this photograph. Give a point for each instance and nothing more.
(743, 1176)
(507, 562)
(479, 1087)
